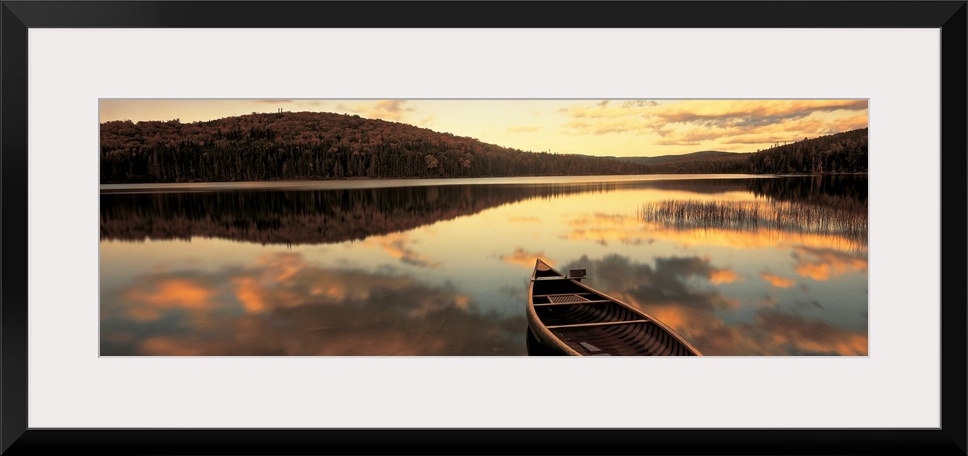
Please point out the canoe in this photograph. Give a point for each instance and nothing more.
(571, 318)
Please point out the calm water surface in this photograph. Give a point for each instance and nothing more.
(737, 265)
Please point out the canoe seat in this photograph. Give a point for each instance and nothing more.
(584, 294)
(566, 298)
(573, 303)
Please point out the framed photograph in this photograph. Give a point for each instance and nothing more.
(180, 324)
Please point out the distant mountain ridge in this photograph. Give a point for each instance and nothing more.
(844, 152)
(693, 156)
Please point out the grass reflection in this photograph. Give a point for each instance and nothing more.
(845, 221)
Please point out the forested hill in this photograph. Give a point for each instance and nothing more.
(831, 154)
(837, 153)
(705, 162)
(710, 155)
(311, 145)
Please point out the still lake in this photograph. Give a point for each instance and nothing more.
(738, 265)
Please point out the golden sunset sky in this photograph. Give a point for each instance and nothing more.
(572, 126)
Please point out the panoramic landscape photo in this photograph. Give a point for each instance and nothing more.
(483, 227)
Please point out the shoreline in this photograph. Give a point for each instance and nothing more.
(351, 183)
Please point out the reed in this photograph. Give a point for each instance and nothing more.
(848, 220)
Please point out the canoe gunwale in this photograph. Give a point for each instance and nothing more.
(547, 337)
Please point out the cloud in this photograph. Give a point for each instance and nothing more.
(389, 110)
(667, 283)
(801, 336)
(392, 110)
(721, 276)
(679, 142)
(391, 106)
(824, 264)
(399, 246)
(314, 311)
(169, 346)
(155, 297)
(750, 112)
(712, 322)
(777, 281)
(758, 121)
(607, 110)
(639, 103)
(741, 122)
(525, 259)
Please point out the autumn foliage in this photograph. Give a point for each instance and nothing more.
(313, 145)
(310, 145)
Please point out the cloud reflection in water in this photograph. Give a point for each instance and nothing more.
(713, 322)
(284, 305)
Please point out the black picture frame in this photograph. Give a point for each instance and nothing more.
(18, 16)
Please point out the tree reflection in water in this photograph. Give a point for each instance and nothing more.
(780, 271)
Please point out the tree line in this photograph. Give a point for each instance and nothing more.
(308, 217)
(307, 145)
(839, 153)
(304, 145)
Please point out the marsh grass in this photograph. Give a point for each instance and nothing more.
(847, 218)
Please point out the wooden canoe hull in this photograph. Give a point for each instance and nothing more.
(568, 316)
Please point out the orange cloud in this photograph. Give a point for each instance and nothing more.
(176, 293)
(525, 259)
(717, 324)
(168, 346)
(771, 333)
(393, 110)
(777, 281)
(332, 290)
(397, 245)
(318, 312)
(823, 263)
(720, 276)
(393, 106)
(249, 293)
(729, 110)
(282, 266)
(745, 122)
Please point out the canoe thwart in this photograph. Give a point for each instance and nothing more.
(547, 295)
(568, 317)
(599, 323)
(572, 303)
